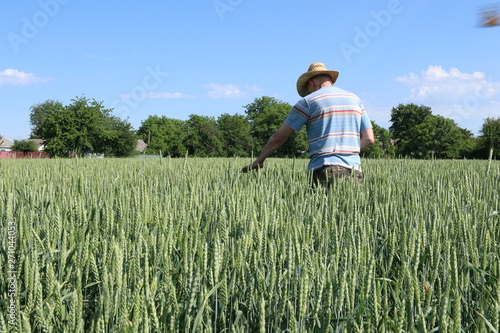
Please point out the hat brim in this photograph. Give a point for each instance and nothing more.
(302, 81)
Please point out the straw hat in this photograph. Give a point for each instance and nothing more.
(316, 68)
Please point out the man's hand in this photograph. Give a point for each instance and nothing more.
(253, 166)
(275, 141)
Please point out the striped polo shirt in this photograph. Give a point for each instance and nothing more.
(334, 120)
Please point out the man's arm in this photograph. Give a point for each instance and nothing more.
(367, 138)
(275, 141)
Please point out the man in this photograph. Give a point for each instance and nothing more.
(337, 125)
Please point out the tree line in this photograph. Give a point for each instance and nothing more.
(86, 126)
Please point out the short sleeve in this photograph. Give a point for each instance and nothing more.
(365, 120)
(298, 116)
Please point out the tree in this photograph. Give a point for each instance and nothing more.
(116, 138)
(297, 145)
(436, 137)
(382, 147)
(404, 120)
(236, 134)
(38, 114)
(58, 128)
(24, 146)
(420, 134)
(266, 114)
(72, 130)
(468, 145)
(85, 126)
(203, 137)
(164, 136)
(490, 136)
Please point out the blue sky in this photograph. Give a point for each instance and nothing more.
(209, 57)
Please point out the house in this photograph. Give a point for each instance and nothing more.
(6, 151)
(5, 145)
(39, 143)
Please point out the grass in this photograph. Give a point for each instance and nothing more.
(193, 245)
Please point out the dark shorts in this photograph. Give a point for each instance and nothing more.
(326, 175)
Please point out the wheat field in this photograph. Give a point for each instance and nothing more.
(194, 245)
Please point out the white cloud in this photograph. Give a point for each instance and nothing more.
(217, 90)
(224, 90)
(469, 115)
(162, 95)
(15, 77)
(253, 88)
(436, 83)
(93, 56)
(166, 95)
(467, 98)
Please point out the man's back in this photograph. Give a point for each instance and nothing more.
(334, 119)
